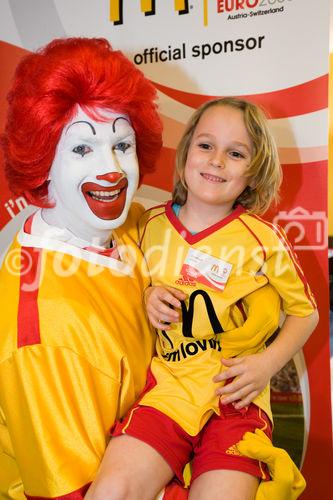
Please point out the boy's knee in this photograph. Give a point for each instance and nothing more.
(117, 487)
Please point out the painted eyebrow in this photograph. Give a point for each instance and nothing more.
(82, 121)
(115, 121)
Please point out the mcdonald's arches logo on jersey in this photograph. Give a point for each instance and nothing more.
(215, 268)
(147, 7)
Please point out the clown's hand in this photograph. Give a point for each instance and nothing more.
(287, 483)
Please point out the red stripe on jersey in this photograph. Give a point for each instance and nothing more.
(194, 238)
(151, 218)
(74, 495)
(28, 318)
(162, 205)
(286, 243)
(256, 237)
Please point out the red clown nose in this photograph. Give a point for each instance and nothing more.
(110, 177)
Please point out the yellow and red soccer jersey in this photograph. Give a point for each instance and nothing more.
(216, 268)
(75, 346)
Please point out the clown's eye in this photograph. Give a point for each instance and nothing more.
(82, 149)
(122, 146)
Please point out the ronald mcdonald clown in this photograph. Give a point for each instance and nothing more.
(75, 344)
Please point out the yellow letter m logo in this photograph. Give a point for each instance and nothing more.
(215, 268)
(148, 7)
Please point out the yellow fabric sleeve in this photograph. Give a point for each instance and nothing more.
(287, 482)
(57, 420)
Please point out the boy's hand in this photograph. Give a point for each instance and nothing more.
(161, 304)
(251, 374)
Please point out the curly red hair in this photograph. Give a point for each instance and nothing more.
(49, 84)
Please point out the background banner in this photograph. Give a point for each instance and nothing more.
(273, 52)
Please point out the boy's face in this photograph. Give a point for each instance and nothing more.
(219, 155)
(95, 172)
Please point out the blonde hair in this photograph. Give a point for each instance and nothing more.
(264, 171)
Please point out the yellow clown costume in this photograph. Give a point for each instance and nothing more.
(218, 269)
(75, 346)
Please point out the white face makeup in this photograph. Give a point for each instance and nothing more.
(94, 175)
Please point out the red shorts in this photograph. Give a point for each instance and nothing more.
(213, 448)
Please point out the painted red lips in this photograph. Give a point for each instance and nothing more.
(107, 203)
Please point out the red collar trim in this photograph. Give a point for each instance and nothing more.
(194, 238)
(28, 224)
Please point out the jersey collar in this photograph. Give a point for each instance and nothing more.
(194, 238)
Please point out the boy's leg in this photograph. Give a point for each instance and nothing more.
(229, 484)
(218, 467)
(147, 449)
(130, 469)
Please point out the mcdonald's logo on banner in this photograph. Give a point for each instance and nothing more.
(148, 7)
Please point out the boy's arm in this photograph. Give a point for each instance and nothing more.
(254, 372)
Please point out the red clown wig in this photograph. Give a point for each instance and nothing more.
(49, 84)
